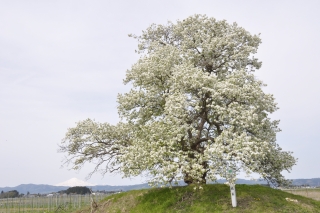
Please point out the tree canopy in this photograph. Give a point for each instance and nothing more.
(9, 194)
(195, 110)
(78, 190)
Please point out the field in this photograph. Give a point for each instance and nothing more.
(47, 204)
(212, 198)
(310, 193)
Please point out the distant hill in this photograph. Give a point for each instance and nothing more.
(45, 189)
(34, 188)
(298, 182)
(120, 188)
(310, 182)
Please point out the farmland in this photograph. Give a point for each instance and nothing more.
(56, 203)
(313, 193)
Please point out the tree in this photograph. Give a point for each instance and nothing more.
(78, 190)
(195, 112)
(9, 194)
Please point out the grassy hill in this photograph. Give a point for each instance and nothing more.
(212, 198)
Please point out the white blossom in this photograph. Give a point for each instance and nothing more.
(195, 110)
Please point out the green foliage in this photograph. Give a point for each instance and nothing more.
(9, 194)
(78, 190)
(212, 198)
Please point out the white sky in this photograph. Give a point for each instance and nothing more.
(64, 61)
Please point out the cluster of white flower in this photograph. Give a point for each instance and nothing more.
(195, 110)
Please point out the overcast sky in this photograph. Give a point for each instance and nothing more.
(64, 61)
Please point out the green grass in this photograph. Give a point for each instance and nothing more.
(212, 198)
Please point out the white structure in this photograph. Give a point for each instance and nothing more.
(231, 175)
(233, 195)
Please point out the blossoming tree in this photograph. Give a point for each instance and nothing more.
(195, 112)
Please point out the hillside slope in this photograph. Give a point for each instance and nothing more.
(212, 198)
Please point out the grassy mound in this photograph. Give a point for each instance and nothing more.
(212, 198)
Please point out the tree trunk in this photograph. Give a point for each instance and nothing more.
(189, 180)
